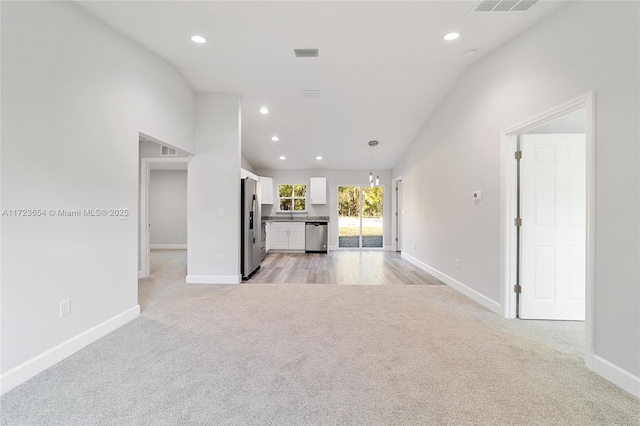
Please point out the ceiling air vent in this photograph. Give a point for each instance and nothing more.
(523, 6)
(166, 151)
(306, 53)
(505, 5)
(310, 94)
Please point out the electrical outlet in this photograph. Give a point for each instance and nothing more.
(414, 244)
(220, 212)
(457, 263)
(221, 259)
(65, 308)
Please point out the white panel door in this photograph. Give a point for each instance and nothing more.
(297, 236)
(553, 211)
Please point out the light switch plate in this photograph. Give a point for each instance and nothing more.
(477, 195)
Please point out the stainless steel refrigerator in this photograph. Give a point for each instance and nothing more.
(250, 225)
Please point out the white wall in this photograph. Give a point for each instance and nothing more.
(150, 149)
(168, 207)
(335, 178)
(214, 184)
(245, 164)
(571, 123)
(586, 46)
(75, 96)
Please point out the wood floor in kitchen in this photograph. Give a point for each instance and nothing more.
(342, 268)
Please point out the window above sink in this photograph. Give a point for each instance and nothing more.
(292, 197)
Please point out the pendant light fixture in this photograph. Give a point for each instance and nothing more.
(374, 146)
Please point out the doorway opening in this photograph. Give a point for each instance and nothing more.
(162, 195)
(397, 212)
(547, 215)
(360, 217)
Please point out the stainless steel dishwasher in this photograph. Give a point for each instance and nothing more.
(316, 237)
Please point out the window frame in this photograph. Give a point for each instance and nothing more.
(293, 198)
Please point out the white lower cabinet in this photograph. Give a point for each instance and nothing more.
(286, 236)
(296, 236)
(279, 236)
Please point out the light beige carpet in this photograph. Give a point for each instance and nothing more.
(316, 354)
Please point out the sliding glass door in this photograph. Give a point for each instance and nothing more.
(349, 216)
(360, 220)
(371, 216)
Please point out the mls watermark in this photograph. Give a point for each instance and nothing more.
(121, 212)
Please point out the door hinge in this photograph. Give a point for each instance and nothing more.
(517, 221)
(517, 288)
(396, 238)
(518, 155)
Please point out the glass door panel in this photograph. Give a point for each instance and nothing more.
(349, 216)
(372, 204)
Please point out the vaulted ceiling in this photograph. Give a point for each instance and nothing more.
(382, 69)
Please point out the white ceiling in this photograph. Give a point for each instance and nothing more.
(383, 66)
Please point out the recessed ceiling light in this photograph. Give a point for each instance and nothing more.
(318, 158)
(264, 110)
(275, 138)
(282, 157)
(451, 36)
(198, 39)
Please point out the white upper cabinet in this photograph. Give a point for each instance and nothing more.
(318, 190)
(266, 190)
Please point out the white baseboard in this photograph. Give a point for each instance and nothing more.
(167, 246)
(140, 275)
(457, 285)
(25, 371)
(332, 248)
(389, 248)
(616, 375)
(214, 279)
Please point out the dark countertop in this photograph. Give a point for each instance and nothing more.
(295, 218)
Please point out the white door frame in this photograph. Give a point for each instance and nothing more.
(508, 208)
(145, 174)
(396, 216)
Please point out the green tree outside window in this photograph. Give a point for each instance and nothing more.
(293, 197)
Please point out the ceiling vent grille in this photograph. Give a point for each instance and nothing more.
(166, 151)
(505, 5)
(310, 94)
(306, 53)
